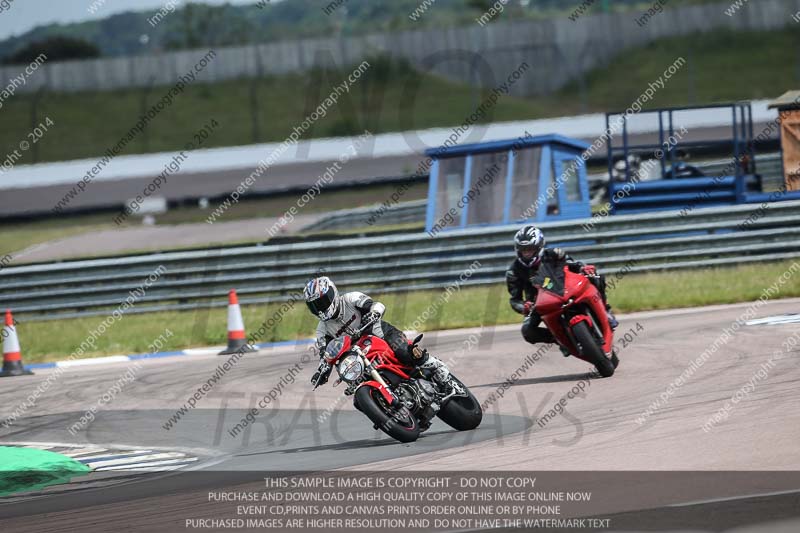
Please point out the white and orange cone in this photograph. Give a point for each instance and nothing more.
(237, 339)
(12, 355)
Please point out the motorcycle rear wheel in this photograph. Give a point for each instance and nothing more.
(371, 403)
(591, 349)
(461, 413)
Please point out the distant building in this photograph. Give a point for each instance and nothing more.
(503, 182)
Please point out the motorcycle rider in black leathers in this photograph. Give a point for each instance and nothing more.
(346, 314)
(529, 243)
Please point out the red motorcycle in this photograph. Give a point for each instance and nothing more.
(573, 310)
(398, 399)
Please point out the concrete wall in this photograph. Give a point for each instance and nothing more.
(558, 50)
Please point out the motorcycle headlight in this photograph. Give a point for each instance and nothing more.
(350, 368)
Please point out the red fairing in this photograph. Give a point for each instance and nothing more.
(370, 343)
(382, 356)
(550, 307)
(547, 303)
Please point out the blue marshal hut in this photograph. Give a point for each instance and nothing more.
(530, 178)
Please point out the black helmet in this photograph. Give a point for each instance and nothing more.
(529, 243)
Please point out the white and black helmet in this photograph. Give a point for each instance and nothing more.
(529, 243)
(322, 298)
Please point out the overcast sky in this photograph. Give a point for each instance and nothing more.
(23, 15)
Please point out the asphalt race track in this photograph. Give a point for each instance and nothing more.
(757, 446)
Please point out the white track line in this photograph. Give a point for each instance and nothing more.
(127, 460)
(50, 444)
(110, 454)
(142, 470)
(149, 466)
(81, 452)
(776, 320)
(95, 361)
(204, 351)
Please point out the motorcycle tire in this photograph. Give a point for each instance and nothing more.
(592, 350)
(375, 409)
(461, 413)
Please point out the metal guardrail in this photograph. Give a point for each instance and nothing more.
(270, 273)
(402, 213)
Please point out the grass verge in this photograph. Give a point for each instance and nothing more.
(474, 306)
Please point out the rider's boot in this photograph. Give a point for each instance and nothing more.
(437, 368)
(548, 337)
(612, 320)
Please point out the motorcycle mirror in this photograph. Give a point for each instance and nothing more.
(418, 338)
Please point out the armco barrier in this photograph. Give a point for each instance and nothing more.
(378, 215)
(269, 273)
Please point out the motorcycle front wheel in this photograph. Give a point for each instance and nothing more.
(402, 426)
(592, 350)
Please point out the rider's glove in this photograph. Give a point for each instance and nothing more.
(589, 270)
(371, 318)
(527, 307)
(559, 253)
(322, 373)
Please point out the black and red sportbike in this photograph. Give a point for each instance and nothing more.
(398, 399)
(573, 310)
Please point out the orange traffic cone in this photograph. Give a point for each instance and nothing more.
(237, 340)
(12, 357)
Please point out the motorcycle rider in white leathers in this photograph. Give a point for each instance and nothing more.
(346, 314)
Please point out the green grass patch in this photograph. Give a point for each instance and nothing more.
(388, 97)
(486, 305)
(721, 66)
(691, 288)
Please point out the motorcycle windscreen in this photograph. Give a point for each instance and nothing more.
(550, 277)
(334, 348)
